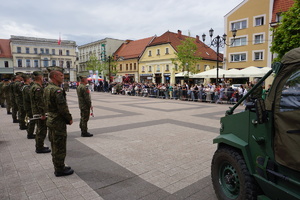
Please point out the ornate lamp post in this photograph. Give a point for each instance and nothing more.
(219, 41)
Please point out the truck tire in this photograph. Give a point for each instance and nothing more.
(230, 176)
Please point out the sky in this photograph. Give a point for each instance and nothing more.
(92, 20)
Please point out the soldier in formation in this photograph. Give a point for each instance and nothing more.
(58, 117)
(19, 100)
(38, 109)
(14, 107)
(85, 105)
(6, 94)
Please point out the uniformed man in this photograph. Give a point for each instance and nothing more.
(6, 92)
(58, 117)
(1, 94)
(14, 106)
(27, 106)
(38, 109)
(19, 100)
(85, 105)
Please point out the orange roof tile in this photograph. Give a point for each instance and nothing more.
(174, 39)
(132, 49)
(5, 51)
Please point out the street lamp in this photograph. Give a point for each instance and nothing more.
(219, 41)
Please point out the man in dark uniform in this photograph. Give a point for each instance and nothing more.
(14, 107)
(19, 100)
(1, 94)
(38, 109)
(85, 105)
(58, 117)
(27, 106)
(6, 93)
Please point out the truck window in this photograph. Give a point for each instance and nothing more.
(290, 96)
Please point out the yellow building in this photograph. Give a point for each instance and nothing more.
(251, 47)
(155, 64)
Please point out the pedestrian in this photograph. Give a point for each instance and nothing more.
(19, 99)
(27, 106)
(58, 117)
(85, 105)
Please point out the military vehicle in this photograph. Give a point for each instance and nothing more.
(258, 153)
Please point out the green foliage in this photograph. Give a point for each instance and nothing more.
(186, 57)
(287, 34)
(94, 64)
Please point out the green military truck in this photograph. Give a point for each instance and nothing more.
(258, 154)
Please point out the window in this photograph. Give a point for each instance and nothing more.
(120, 67)
(53, 63)
(130, 66)
(290, 93)
(42, 51)
(198, 67)
(36, 63)
(18, 49)
(6, 64)
(53, 51)
(167, 50)
(158, 52)
(47, 51)
(258, 39)
(46, 62)
(149, 53)
(278, 17)
(60, 53)
(258, 55)
(238, 57)
(158, 68)
(27, 63)
(239, 42)
(68, 64)
(19, 62)
(35, 51)
(134, 66)
(143, 68)
(68, 53)
(126, 67)
(259, 21)
(167, 67)
(27, 50)
(239, 25)
(150, 69)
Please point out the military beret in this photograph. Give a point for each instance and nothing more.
(19, 73)
(55, 68)
(37, 73)
(82, 76)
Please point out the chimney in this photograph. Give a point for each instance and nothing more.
(197, 39)
(179, 33)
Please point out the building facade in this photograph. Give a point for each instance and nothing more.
(6, 60)
(127, 59)
(252, 20)
(32, 54)
(156, 63)
(101, 49)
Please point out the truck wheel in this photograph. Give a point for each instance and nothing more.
(230, 176)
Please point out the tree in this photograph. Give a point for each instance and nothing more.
(287, 34)
(186, 57)
(94, 64)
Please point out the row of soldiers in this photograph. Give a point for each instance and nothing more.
(32, 100)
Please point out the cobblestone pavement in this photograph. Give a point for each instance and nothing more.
(143, 148)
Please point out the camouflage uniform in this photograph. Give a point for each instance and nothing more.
(58, 116)
(28, 111)
(14, 106)
(6, 92)
(38, 108)
(84, 100)
(19, 101)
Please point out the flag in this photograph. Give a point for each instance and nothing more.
(59, 40)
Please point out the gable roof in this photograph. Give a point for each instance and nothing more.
(175, 39)
(132, 48)
(5, 51)
(280, 6)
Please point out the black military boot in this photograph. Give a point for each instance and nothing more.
(66, 171)
(23, 127)
(43, 150)
(15, 121)
(86, 134)
(9, 113)
(31, 136)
